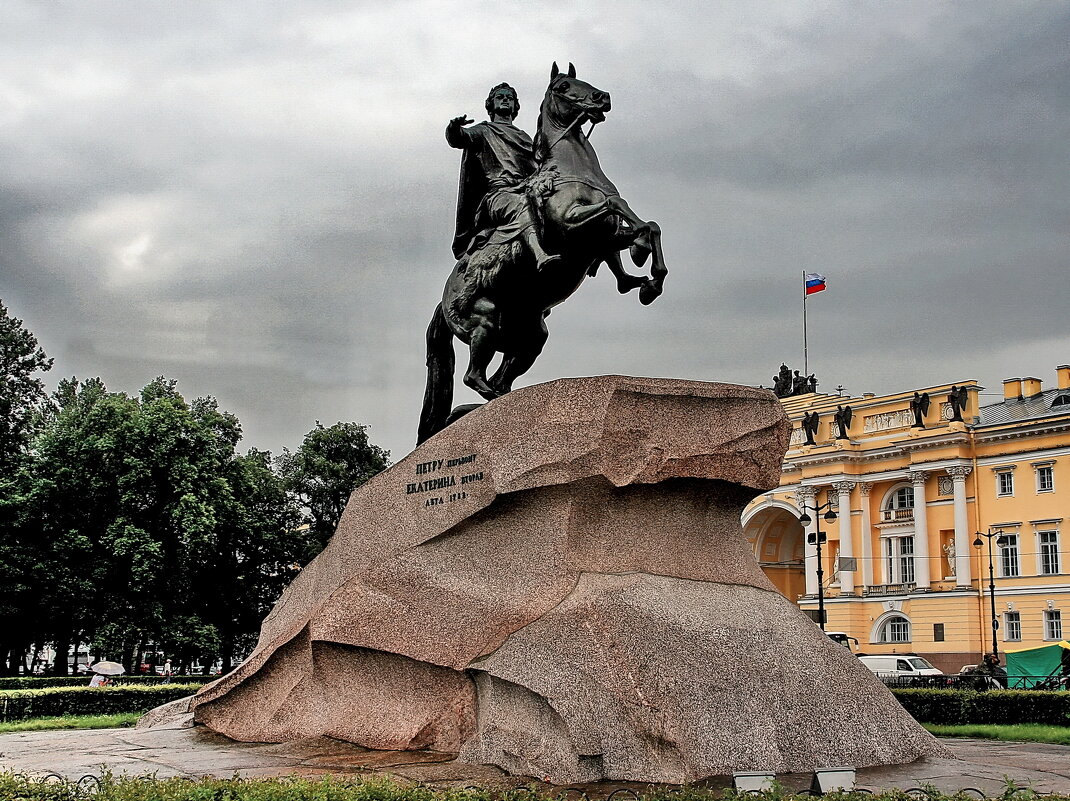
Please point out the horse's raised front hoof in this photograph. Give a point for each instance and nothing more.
(649, 292)
(627, 282)
(640, 252)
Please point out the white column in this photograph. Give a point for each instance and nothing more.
(804, 496)
(887, 565)
(962, 527)
(867, 540)
(843, 501)
(921, 531)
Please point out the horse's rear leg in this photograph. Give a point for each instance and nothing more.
(481, 348)
(516, 363)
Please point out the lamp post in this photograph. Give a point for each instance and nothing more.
(817, 538)
(1001, 540)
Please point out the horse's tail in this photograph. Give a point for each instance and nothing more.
(438, 394)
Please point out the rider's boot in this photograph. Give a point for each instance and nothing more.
(542, 258)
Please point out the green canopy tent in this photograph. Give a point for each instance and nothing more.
(1046, 667)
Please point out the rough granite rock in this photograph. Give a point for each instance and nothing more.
(558, 584)
(175, 714)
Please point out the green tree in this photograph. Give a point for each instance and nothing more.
(22, 396)
(324, 471)
(258, 548)
(21, 390)
(72, 503)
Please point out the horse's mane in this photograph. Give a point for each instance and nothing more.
(540, 149)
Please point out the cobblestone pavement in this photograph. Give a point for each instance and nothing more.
(174, 751)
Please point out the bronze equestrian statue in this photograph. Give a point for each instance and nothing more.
(531, 225)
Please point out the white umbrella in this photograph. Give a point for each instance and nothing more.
(108, 668)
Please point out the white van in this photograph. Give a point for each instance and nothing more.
(895, 666)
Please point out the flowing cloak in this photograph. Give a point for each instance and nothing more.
(496, 155)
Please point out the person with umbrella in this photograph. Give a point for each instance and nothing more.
(101, 672)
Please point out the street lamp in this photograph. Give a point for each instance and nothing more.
(1001, 540)
(817, 538)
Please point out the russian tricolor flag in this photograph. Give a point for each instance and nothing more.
(814, 283)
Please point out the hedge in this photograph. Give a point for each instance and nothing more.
(40, 682)
(957, 707)
(65, 701)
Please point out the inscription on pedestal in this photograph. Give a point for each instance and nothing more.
(444, 480)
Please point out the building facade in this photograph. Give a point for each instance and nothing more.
(914, 480)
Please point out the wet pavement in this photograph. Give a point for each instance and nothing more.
(171, 750)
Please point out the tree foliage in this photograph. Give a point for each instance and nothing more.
(130, 520)
(324, 471)
(21, 388)
(22, 395)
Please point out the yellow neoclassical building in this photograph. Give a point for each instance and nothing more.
(911, 486)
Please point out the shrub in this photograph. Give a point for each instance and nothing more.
(66, 701)
(40, 682)
(959, 707)
(1023, 706)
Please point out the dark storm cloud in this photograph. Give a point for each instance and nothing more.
(258, 201)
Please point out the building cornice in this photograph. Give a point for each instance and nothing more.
(996, 432)
(937, 441)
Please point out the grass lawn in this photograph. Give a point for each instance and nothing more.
(1024, 732)
(121, 720)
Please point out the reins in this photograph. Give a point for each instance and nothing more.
(574, 179)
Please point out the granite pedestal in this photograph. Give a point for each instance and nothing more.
(558, 584)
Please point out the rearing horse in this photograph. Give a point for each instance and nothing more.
(496, 301)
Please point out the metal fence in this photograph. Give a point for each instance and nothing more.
(979, 682)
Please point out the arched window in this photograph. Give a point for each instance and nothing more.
(900, 498)
(898, 504)
(895, 628)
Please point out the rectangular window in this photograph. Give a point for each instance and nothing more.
(906, 560)
(1053, 625)
(1045, 478)
(938, 632)
(899, 560)
(1004, 483)
(1012, 626)
(1008, 557)
(1048, 558)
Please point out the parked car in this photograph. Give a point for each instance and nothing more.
(978, 678)
(844, 639)
(903, 670)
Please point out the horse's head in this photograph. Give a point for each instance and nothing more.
(570, 101)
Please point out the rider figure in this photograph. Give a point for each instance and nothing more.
(492, 205)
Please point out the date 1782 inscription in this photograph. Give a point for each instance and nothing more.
(444, 480)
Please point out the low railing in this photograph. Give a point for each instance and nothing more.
(897, 515)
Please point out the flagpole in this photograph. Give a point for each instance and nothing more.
(806, 364)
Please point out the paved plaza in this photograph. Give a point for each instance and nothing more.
(174, 751)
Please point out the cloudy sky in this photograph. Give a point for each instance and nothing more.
(257, 199)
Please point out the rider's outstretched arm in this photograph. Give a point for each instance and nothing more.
(457, 135)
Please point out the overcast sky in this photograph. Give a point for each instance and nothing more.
(257, 199)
